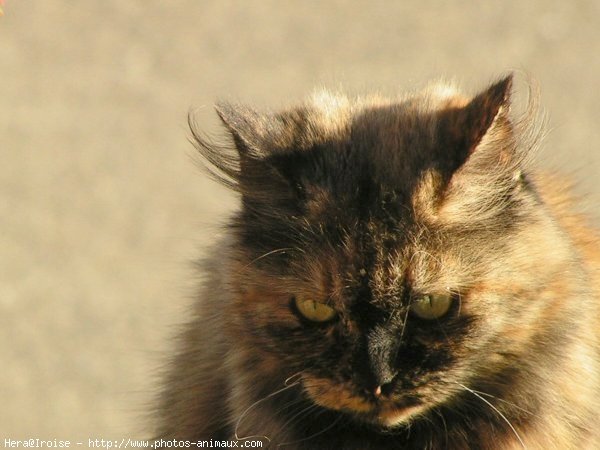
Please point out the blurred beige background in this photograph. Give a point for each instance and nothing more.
(102, 208)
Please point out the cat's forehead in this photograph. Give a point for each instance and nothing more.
(392, 138)
(366, 150)
(333, 112)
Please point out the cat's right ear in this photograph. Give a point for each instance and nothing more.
(255, 136)
(235, 166)
(247, 127)
(248, 167)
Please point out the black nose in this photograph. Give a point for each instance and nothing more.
(384, 390)
(382, 348)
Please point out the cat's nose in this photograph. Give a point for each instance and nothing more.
(383, 390)
(382, 350)
(385, 385)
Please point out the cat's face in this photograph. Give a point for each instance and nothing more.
(372, 336)
(380, 249)
(381, 330)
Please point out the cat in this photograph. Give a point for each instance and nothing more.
(397, 276)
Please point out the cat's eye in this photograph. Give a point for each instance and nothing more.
(431, 306)
(313, 310)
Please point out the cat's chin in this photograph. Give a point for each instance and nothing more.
(394, 416)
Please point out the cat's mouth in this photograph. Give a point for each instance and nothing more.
(382, 412)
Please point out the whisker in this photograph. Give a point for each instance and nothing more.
(289, 379)
(445, 426)
(272, 252)
(505, 401)
(298, 415)
(497, 411)
(401, 331)
(403, 326)
(458, 294)
(272, 394)
(287, 405)
(338, 418)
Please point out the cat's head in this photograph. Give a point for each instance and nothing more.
(389, 252)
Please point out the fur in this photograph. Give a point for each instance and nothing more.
(365, 204)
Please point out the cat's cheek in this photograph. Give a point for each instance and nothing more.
(255, 309)
(335, 396)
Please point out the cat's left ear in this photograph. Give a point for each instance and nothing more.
(482, 160)
(482, 119)
(487, 110)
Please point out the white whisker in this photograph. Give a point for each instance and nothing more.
(289, 379)
(504, 401)
(497, 411)
(298, 415)
(315, 434)
(272, 394)
(272, 252)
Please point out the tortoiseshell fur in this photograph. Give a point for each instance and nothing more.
(365, 204)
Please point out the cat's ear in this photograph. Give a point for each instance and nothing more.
(258, 138)
(248, 128)
(467, 128)
(484, 162)
(487, 110)
(240, 167)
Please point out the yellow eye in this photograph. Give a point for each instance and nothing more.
(313, 310)
(431, 306)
